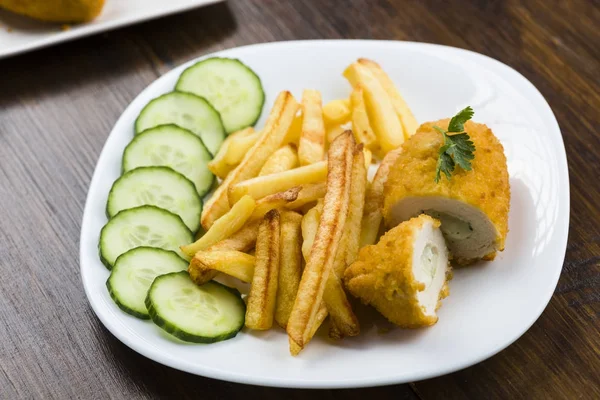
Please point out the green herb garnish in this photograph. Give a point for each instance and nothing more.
(457, 148)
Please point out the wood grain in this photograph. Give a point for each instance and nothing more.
(58, 105)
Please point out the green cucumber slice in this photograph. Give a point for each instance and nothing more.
(200, 314)
(142, 226)
(174, 147)
(188, 111)
(156, 186)
(230, 86)
(133, 274)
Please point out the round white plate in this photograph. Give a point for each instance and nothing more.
(490, 305)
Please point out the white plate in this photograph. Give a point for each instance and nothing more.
(490, 305)
(19, 34)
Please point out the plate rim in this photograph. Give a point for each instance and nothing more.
(294, 382)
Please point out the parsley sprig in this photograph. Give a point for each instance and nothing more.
(457, 148)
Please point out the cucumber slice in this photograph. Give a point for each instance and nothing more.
(230, 86)
(142, 226)
(133, 274)
(174, 147)
(200, 314)
(188, 111)
(156, 186)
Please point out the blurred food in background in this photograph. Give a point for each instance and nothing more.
(56, 10)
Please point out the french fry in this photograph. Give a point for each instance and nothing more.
(290, 265)
(295, 130)
(218, 165)
(263, 291)
(361, 127)
(240, 146)
(311, 148)
(271, 138)
(275, 201)
(224, 227)
(344, 322)
(409, 122)
(336, 112)
(242, 240)
(262, 186)
(371, 221)
(233, 263)
(308, 193)
(383, 117)
(336, 130)
(310, 224)
(368, 157)
(283, 159)
(321, 315)
(324, 248)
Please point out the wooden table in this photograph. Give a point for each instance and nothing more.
(58, 105)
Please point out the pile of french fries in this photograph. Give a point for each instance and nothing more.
(294, 205)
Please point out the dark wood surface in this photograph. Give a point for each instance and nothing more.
(58, 105)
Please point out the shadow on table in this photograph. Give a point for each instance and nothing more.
(106, 58)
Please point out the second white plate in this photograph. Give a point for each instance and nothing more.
(490, 305)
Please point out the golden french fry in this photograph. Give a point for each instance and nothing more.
(263, 291)
(233, 263)
(242, 240)
(290, 265)
(409, 122)
(262, 186)
(329, 233)
(271, 138)
(383, 117)
(295, 130)
(336, 112)
(219, 165)
(336, 130)
(372, 216)
(361, 126)
(275, 201)
(308, 193)
(321, 315)
(368, 157)
(224, 227)
(311, 148)
(283, 159)
(310, 224)
(340, 311)
(344, 322)
(240, 146)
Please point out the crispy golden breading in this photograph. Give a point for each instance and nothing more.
(56, 10)
(382, 276)
(485, 187)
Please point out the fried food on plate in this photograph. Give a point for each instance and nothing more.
(329, 233)
(309, 193)
(283, 159)
(261, 300)
(311, 148)
(336, 112)
(290, 265)
(56, 10)
(409, 123)
(404, 276)
(227, 157)
(233, 263)
(224, 227)
(472, 205)
(275, 201)
(310, 224)
(382, 116)
(361, 127)
(271, 138)
(262, 186)
(372, 215)
(242, 240)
